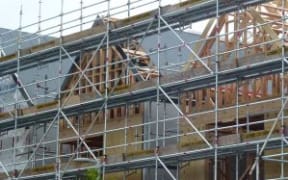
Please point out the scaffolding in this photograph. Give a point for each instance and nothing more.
(108, 104)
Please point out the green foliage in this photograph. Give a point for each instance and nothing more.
(92, 174)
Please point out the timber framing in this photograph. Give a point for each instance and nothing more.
(119, 110)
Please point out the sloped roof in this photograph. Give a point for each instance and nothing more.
(9, 39)
(52, 70)
(8, 44)
(9, 94)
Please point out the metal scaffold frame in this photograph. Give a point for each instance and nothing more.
(159, 93)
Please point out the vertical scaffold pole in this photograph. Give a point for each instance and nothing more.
(80, 68)
(39, 20)
(178, 132)
(164, 124)
(58, 146)
(216, 94)
(237, 34)
(2, 53)
(106, 88)
(19, 41)
(81, 15)
(158, 90)
(127, 81)
(282, 174)
(257, 160)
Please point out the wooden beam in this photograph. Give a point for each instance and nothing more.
(203, 46)
(266, 27)
(135, 52)
(275, 7)
(209, 43)
(270, 14)
(199, 44)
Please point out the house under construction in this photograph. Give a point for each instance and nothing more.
(147, 89)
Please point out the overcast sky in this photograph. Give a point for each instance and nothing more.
(10, 10)
(10, 13)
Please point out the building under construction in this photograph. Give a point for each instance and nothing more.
(146, 89)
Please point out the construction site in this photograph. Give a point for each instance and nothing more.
(146, 89)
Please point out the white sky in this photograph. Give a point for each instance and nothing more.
(10, 11)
